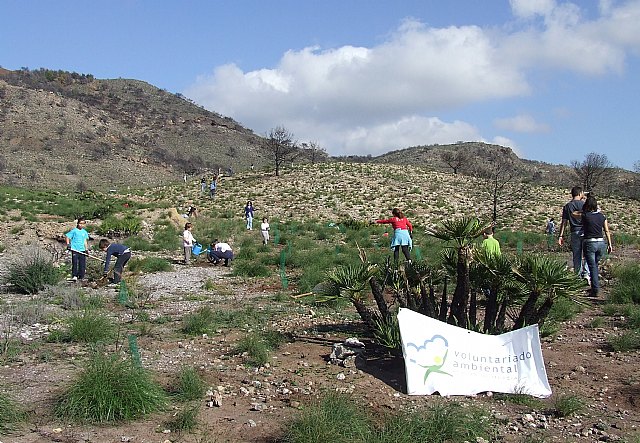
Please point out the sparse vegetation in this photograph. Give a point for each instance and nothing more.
(32, 273)
(11, 415)
(108, 390)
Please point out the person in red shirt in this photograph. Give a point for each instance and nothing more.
(402, 230)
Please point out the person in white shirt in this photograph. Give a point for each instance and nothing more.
(264, 230)
(221, 251)
(187, 242)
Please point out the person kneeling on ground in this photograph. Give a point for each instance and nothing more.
(220, 251)
(122, 254)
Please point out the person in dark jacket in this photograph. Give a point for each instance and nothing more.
(122, 254)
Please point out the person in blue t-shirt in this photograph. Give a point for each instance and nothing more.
(78, 243)
(122, 254)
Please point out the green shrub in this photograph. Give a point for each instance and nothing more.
(32, 273)
(250, 269)
(149, 265)
(564, 309)
(108, 390)
(185, 420)
(334, 418)
(166, 237)
(128, 225)
(140, 244)
(626, 288)
(188, 385)
(567, 405)
(199, 322)
(627, 341)
(10, 415)
(440, 423)
(87, 327)
(258, 346)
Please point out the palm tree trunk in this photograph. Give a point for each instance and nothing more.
(528, 311)
(491, 311)
(378, 295)
(473, 308)
(458, 315)
(365, 313)
(442, 315)
(543, 312)
(502, 316)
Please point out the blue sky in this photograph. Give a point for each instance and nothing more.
(552, 79)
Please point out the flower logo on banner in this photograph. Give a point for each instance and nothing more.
(431, 355)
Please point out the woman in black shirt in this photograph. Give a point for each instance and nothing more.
(594, 247)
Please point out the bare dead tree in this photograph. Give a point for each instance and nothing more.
(281, 147)
(455, 159)
(594, 170)
(316, 152)
(499, 178)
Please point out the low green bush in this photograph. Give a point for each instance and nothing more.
(626, 288)
(185, 420)
(110, 389)
(127, 225)
(11, 415)
(258, 346)
(86, 327)
(32, 273)
(625, 342)
(567, 405)
(188, 385)
(149, 265)
(200, 322)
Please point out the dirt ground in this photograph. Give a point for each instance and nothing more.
(257, 403)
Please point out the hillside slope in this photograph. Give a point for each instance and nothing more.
(65, 129)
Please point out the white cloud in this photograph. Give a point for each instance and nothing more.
(520, 123)
(372, 99)
(531, 8)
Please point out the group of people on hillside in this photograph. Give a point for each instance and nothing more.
(590, 235)
(581, 216)
(212, 187)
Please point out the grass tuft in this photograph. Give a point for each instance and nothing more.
(188, 385)
(10, 415)
(109, 390)
(33, 273)
(567, 405)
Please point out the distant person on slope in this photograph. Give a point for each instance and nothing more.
(264, 230)
(187, 242)
(248, 215)
(402, 230)
(213, 186)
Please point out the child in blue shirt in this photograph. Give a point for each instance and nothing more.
(78, 242)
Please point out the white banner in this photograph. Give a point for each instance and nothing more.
(443, 358)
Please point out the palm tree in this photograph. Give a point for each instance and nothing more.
(351, 282)
(460, 233)
(545, 280)
(494, 272)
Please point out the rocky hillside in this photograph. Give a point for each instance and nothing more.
(67, 130)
